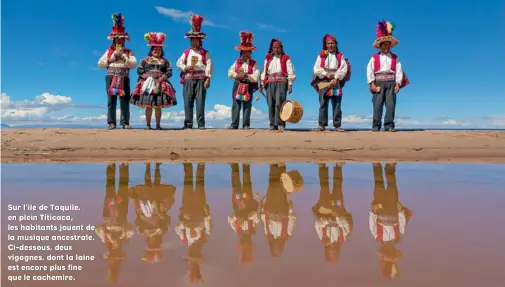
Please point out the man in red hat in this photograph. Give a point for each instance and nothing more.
(246, 74)
(196, 72)
(118, 61)
(333, 223)
(331, 71)
(388, 218)
(277, 78)
(385, 77)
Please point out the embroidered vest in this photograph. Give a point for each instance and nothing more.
(377, 66)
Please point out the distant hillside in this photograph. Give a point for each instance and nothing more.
(3, 126)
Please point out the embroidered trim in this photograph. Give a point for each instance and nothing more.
(385, 77)
(125, 72)
(276, 77)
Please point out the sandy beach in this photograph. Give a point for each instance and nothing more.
(100, 145)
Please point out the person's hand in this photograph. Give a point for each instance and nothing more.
(207, 83)
(331, 76)
(373, 87)
(334, 82)
(243, 76)
(290, 89)
(189, 69)
(397, 88)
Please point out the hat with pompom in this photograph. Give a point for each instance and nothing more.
(384, 33)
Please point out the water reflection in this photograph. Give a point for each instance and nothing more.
(152, 201)
(333, 222)
(115, 229)
(245, 217)
(295, 224)
(277, 211)
(195, 219)
(388, 218)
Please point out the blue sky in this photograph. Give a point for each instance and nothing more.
(452, 51)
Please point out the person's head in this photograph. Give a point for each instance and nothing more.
(157, 52)
(277, 48)
(385, 47)
(246, 54)
(331, 45)
(196, 43)
(119, 41)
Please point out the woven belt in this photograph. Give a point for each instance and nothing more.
(385, 77)
(118, 72)
(277, 77)
(196, 75)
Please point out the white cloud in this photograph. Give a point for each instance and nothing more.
(183, 16)
(32, 110)
(40, 112)
(270, 27)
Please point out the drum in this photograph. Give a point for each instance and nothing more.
(291, 112)
(292, 181)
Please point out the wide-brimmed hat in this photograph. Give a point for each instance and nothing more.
(384, 33)
(155, 39)
(118, 29)
(196, 22)
(246, 41)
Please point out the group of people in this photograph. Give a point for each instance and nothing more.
(333, 222)
(332, 70)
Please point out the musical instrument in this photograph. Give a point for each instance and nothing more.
(292, 181)
(291, 112)
(194, 61)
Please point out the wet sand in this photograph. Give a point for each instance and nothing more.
(218, 145)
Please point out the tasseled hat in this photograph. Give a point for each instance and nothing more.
(272, 42)
(246, 41)
(118, 29)
(196, 22)
(155, 39)
(326, 38)
(384, 33)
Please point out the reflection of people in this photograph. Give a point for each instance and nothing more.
(277, 212)
(245, 218)
(115, 229)
(388, 219)
(332, 221)
(195, 219)
(152, 200)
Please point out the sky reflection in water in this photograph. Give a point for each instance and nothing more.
(355, 224)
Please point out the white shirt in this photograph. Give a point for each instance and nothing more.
(130, 63)
(232, 219)
(333, 232)
(183, 231)
(385, 61)
(275, 67)
(388, 231)
(276, 226)
(200, 66)
(245, 66)
(331, 63)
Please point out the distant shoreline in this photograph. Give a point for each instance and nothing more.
(50, 145)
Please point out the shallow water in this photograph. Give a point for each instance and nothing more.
(441, 224)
